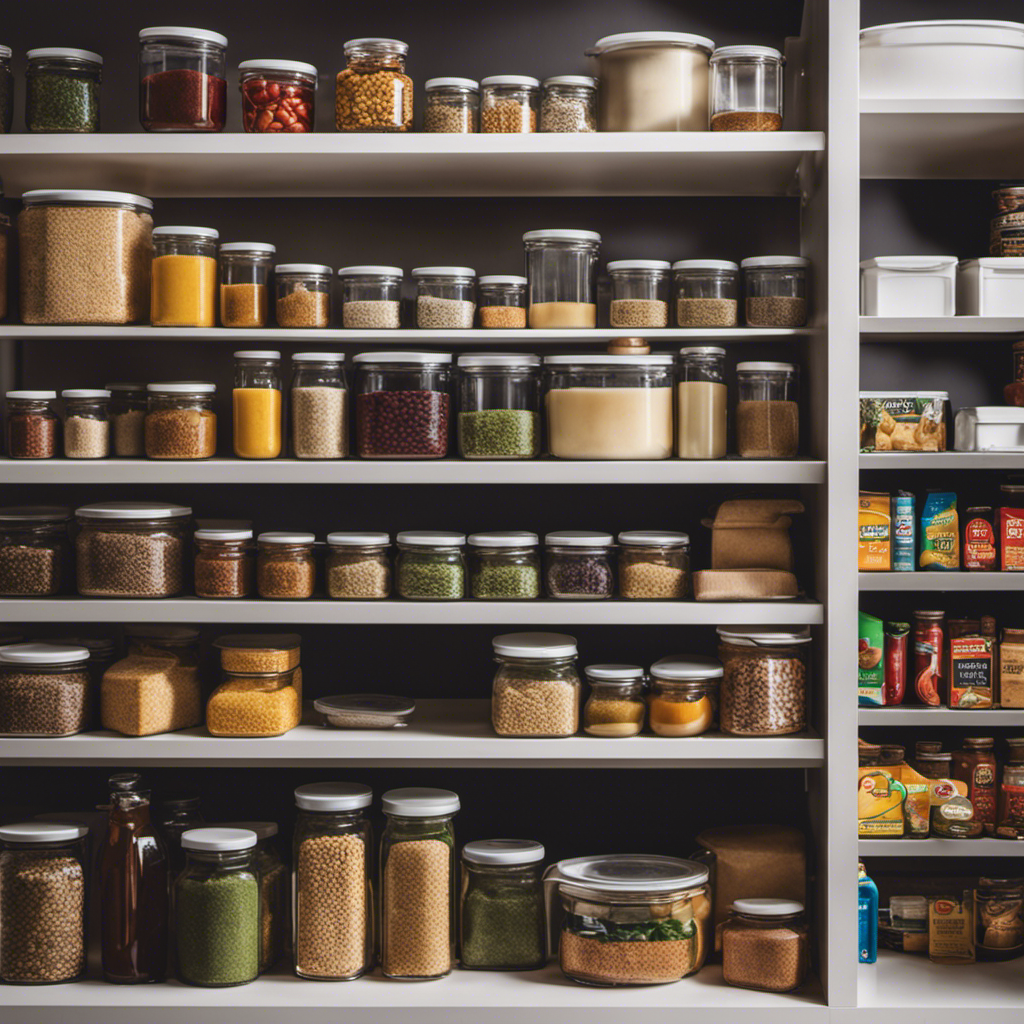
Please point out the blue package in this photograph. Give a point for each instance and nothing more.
(867, 916)
(904, 541)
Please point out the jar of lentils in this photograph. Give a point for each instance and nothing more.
(182, 85)
(245, 283)
(430, 565)
(707, 293)
(319, 401)
(616, 705)
(225, 565)
(501, 301)
(86, 423)
(303, 294)
(358, 566)
(184, 276)
(285, 568)
(371, 297)
(180, 421)
(765, 945)
(62, 90)
(32, 425)
(578, 564)
(569, 104)
(536, 687)
(499, 406)
(504, 566)
(127, 411)
(277, 96)
(45, 690)
(684, 695)
(445, 297)
(373, 93)
(654, 565)
(35, 552)
(776, 290)
(508, 104)
(639, 293)
(451, 106)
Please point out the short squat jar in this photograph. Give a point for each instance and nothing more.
(319, 405)
(45, 690)
(684, 695)
(225, 565)
(182, 85)
(560, 266)
(654, 565)
(504, 566)
(358, 566)
(373, 92)
(86, 423)
(578, 564)
(767, 410)
(569, 104)
(451, 106)
(508, 104)
(371, 297)
(285, 568)
(764, 945)
(707, 293)
(776, 290)
(303, 294)
(501, 301)
(616, 705)
(445, 298)
(245, 283)
(277, 96)
(536, 687)
(34, 550)
(62, 90)
(746, 89)
(499, 406)
(430, 566)
(639, 293)
(32, 425)
(127, 411)
(180, 421)
(257, 400)
(701, 403)
(184, 276)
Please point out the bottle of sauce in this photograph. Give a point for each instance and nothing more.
(867, 916)
(929, 656)
(979, 539)
(975, 764)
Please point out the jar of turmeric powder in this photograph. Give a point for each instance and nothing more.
(684, 695)
(256, 401)
(616, 703)
(184, 289)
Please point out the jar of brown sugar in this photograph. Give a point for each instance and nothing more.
(180, 421)
(285, 569)
(224, 564)
(32, 425)
(764, 945)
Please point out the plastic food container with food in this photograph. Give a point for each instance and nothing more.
(776, 290)
(501, 301)
(182, 85)
(277, 96)
(86, 423)
(285, 567)
(373, 93)
(371, 297)
(684, 695)
(909, 286)
(746, 89)
(451, 106)
(256, 704)
(303, 294)
(184, 276)
(536, 687)
(767, 410)
(45, 690)
(245, 283)
(365, 710)
(358, 566)
(499, 406)
(319, 405)
(560, 267)
(180, 421)
(654, 565)
(991, 286)
(578, 564)
(504, 566)
(569, 104)
(127, 411)
(32, 426)
(430, 565)
(989, 428)
(639, 293)
(707, 293)
(258, 652)
(256, 401)
(62, 90)
(445, 297)
(35, 552)
(616, 705)
(508, 104)
(224, 563)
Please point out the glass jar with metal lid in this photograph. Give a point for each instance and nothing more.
(504, 566)
(569, 104)
(445, 297)
(654, 565)
(277, 96)
(499, 406)
(45, 690)
(245, 283)
(629, 919)
(373, 92)
(765, 945)
(501, 301)
(639, 293)
(6, 100)
(767, 410)
(508, 104)
(501, 920)
(285, 569)
(776, 290)
(182, 85)
(451, 105)
(430, 565)
(184, 276)
(746, 89)
(257, 402)
(303, 294)
(578, 564)
(127, 411)
(319, 405)
(62, 90)
(560, 267)
(32, 426)
(616, 705)
(35, 551)
(358, 566)
(332, 854)
(707, 293)
(684, 695)
(180, 421)
(86, 423)
(701, 403)
(536, 688)
(371, 297)
(224, 564)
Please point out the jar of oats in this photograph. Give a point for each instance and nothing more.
(764, 945)
(285, 569)
(654, 565)
(374, 94)
(358, 566)
(180, 421)
(371, 297)
(445, 297)
(536, 688)
(86, 423)
(452, 105)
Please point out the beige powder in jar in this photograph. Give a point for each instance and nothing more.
(545, 315)
(86, 438)
(416, 912)
(767, 429)
(648, 579)
(535, 707)
(358, 576)
(610, 423)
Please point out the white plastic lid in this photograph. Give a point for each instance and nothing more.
(395, 44)
(562, 235)
(613, 673)
(506, 539)
(63, 51)
(579, 539)
(83, 196)
(653, 538)
(471, 359)
(271, 64)
(687, 666)
(281, 537)
(257, 353)
(304, 268)
(85, 393)
(186, 229)
(442, 272)
(632, 873)
(42, 832)
(608, 360)
(419, 802)
(774, 261)
(761, 366)
(132, 510)
(370, 270)
(419, 358)
(745, 50)
(431, 538)
(501, 279)
(705, 265)
(995, 263)
(702, 350)
(535, 645)
(32, 396)
(318, 357)
(202, 35)
(906, 394)
(638, 265)
(183, 387)
(503, 851)
(625, 40)
(582, 80)
(764, 637)
(264, 247)
(523, 80)
(341, 539)
(455, 83)
(42, 654)
(910, 262)
(218, 839)
(333, 796)
(223, 535)
(767, 907)
(34, 514)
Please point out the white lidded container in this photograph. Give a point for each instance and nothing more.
(908, 286)
(961, 58)
(991, 286)
(990, 428)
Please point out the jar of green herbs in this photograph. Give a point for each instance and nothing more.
(62, 90)
(504, 566)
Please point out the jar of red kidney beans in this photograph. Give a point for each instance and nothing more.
(182, 87)
(277, 95)
(402, 404)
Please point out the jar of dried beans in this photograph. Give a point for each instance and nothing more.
(417, 869)
(35, 552)
(86, 423)
(776, 290)
(764, 945)
(245, 283)
(684, 695)
(256, 401)
(616, 705)
(277, 95)
(569, 104)
(639, 293)
(255, 704)
(767, 410)
(62, 90)
(451, 105)
(303, 294)
(536, 688)
(560, 266)
(499, 406)
(373, 93)
(654, 565)
(184, 276)
(508, 104)
(182, 85)
(32, 426)
(127, 411)
(430, 565)
(224, 566)
(285, 569)
(578, 564)
(319, 401)
(45, 690)
(445, 297)
(331, 863)
(707, 293)
(371, 297)
(746, 89)
(501, 301)
(180, 421)
(504, 566)
(358, 566)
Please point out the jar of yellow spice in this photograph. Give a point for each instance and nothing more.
(245, 283)
(616, 703)
(184, 288)
(256, 401)
(684, 695)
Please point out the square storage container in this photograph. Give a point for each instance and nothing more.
(991, 286)
(908, 286)
(990, 428)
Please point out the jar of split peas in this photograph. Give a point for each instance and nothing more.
(684, 695)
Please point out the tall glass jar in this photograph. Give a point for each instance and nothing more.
(501, 301)
(45, 690)
(578, 564)
(417, 880)
(277, 96)
(180, 421)
(654, 565)
(504, 566)
(560, 266)
(569, 104)
(127, 412)
(765, 945)
(508, 104)
(256, 401)
(999, 916)
(358, 567)
(684, 695)
(319, 401)
(303, 294)
(639, 293)
(62, 90)
(86, 423)
(499, 406)
(975, 764)
(6, 99)
(285, 569)
(178, 815)
(1011, 794)
(371, 297)
(32, 426)
(451, 105)
(701, 403)
(182, 86)
(445, 297)
(616, 705)
(373, 92)
(44, 879)
(184, 276)
(767, 410)
(245, 283)
(332, 891)
(707, 293)
(430, 565)
(536, 687)
(746, 89)
(501, 919)
(224, 565)
(776, 290)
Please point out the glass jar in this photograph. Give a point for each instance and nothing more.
(35, 552)
(131, 549)
(224, 565)
(180, 421)
(216, 902)
(504, 566)
(499, 406)
(277, 96)
(182, 85)
(430, 565)
(767, 410)
(609, 407)
(184, 276)
(927, 746)
(255, 704)
(501, 920)
(32, 425)
(560, 266)
(764, 945)
(6, 97)
(178, 815)
(44, 866)
(578, 564)
(371, 297)
(508, 104)
(776, 290)
(86, 423)
(245, 283)
(569, 104)
(102, 654)
(617, 907)
(445, 298)
(332, 892)
(639, 293)
(1011, 793)
(417, 882)
(684, 695)
(373, 92)
(707, 293)
(999, 916)
(536, 687)
(86, 257)
(45, 690)
(764, 682)
(616, 705)
(256, 402)
(451, 106)
(701, 402)
(62, 90)
(402, 404)
(358, 566)
(127, 412)
(934, 765)
(501, 301)
(976, 766)
(319, 401)
(746, 89)
(654, 565)
(285, 569)
(303, 294)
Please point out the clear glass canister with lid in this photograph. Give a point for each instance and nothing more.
(767, 410)
(999, 918)
(35, 552)
(684, 695)
(224, 565)
(86, 423)
(373, 92)
(358, 566)
(578, 564)
(417, 873)
(508, 104)
(303, 294)
(182, 85)
(371, 297)
(45, 690)
(102, 654)
(32, 427)
(245, 283)
(277, 96)
(445, 297)
(501, 301)
(654, 565)
(332, 892)
(504, 566)
(255, 704)
(499, 406)
(639, 293)
(707, 293)
(569, 104)
(285, 568)
(180, 421)
(319, 403)
(746, 89)
(536, 687)
(501, 919)
(257, 403)
(776, 290)
(62, 90)
(451, 106)
(616, 704)
(127, 411)
(560, 266)
(184, 276)
(6, 99)
(430, 565)
(701, 403)
(765, 945)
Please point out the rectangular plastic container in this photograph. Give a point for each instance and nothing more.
(908, 286)
(991, 286)
(990, 428)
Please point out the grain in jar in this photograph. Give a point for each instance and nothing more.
(707, 293)
(245, 283)
(62, 90)
(451, 105)
(560, 267)
(127, 413)
(445, 297)
(504, 566)
(319, 401)
(776, 290)
(765, 945)
(86, 423)
(263, 704)
(184, 276)
(224, 563)
(371, 297)
(373, 92)
(430, 565)
(767, 410)
(615, 706)
(701, 400)
(684, 695)
(258, 652)
(285, 569)
(499, 406)
(358, 567)
(182, 87)
(256, 403)
(180, 421)
(746, 89)
(45, 690)
(501, 301)
(654, 565)
(569, 104)
(34, 550)
(639, 293)
(508, 104)
(31, 425)
(578, 564)
(303, 294)
(536, 688)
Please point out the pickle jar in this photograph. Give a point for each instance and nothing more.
(578, 564)
(508, 104)
(536, 689)
(32, 426)
(445, 298)
(654, 565)
(303, 294)
(501, 301)
(746, 89)
(684, 695)
(765, 946)
(184, 289)
(569, 104)
(639, 293)
(245, 283)
(371, 297)
(277, 96)
(358, 566)
(373, 93)
(285, 568)
(776, 290)
(560, 267)
(707, 293)
(616, 705)
(182, 87)
(180, 421)
(225, 564)
(127, 411)
(35, 551)
(499, 406)
(45, 690)
(504, 566)
(451, 106)
(430, 565)
(86, 423)
(319, 405)
(62, 90)
(256, 401)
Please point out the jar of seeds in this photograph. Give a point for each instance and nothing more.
(707, 293)
(776, 290)
(86, 423)
(767, 410)
(746, 89)
(639, 293)
(501, 301)
(180, 421)
(35, 552)
(224, 566)
(616, 705)
(245, 283)
(430, 565)
(285, 569)
(499, 406)
(127, 412)
(451, 106)
(578, 564)
(445, 297)
(32, 426)
(654, 565)
(508, 104)
(371, 297)
(319, 401)
(303, 294)
(765, 945)
(62, 90)
(358, 566)
(45, 690)
(504, 566)
(536, 688)
(569, 104)
(373, 93)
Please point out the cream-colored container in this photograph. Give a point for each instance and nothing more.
(701, 400)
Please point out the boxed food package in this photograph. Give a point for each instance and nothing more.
(972, 665)
(951, 929)
(870, 663)
(903, 421)
(874, 532)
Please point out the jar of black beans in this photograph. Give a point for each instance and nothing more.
(430, 566)
(579, 564)
(62, 90)
(504, 566)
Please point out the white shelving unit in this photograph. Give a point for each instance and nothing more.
(940, 848)
(906, 715)
(943, 581)
(940, 328)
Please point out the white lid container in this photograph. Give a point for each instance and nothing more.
(613, 674)
(504, 539)
(42, 832)
(918, 286)
(333, 796)
(991, 286)
(989, 428)
(541, 646)
(684, 667)
(654, 538)
(63, 52)
(503, 851)
(42, 654)
(201, 35)
(579, 539)
(451, 82)
(431, 538)
(419, 802)
(133, 510)
(282, 537)
(218, 840)
(344, 539)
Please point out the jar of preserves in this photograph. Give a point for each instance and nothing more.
(746, 89)
(508, 104)
(319, 405)
(86, 423)
(285, 569)
(184, 276)
(277, 96)
(654, 565)
(45, 690)
(569, 104)
(127, 412)
(578, 564)
(701, 395)
(180, 421)
(937, 765)
(430, 565)
(182, 85)
(765, 946)
(358, 566)
(536, 688)
(1011, 793)
(333, 930)
(44, 866)
(62, 90)
(417, 882)
(374, 94)
(776, 290)
(501, 920)
(6, 97)
(245, 283)
(707, 293)
(639, 293)
(255, 704)
(616, 705)
(501, 301)
(560, 266)
(499, 406)
(303, 294)
(952, 815)
(224, 566)
(32, 425)
(975, 764)
(504, 566)
(371, 297)
(256, 401)
(684, 695)
(929, 656)
(451, 106)
(445, 297)
(999, 917)
(767, 410)
(35, 551)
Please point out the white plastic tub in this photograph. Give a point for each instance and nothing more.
(991, 286)
(990, 428)
(908, 286)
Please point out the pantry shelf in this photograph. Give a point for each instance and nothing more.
(940, 848)
(940, 328)
(942, 460)
(940, 581)
(900, 716)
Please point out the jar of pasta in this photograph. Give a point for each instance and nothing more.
(684, 695)
(285, 569)
(255, 704)
(245, 283)
(654, 565)
(180, 421)
(536, 687)
(184, 276)
(256, 400)
(224, 565)
(616, 705)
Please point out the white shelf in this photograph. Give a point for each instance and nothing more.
(986, 847)
(942, 460)
(940, 328)
(900, 716)
(874, 581)
(320, 165)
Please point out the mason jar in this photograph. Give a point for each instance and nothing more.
(578, 564)
(654, 565)
(746, 89)
(616, 704)
(332, 891)
(224, 565)
(245, 283)
(569, 104)
(127, 411)
(776, 290)
(560, 266)
(701, 403)
(451, 105)
(303, 294)
(445, 297)
(373, 92)
(180, 421)
(256, 402)
(417, 883)
(536, 689)
(32, 426)
(639, 293)
(35, 551)
(86, 423)
(508, 104)
(767, 410)
(371, 297)
(684, 695)
(277, 96)
(6, 99)
(45, 690)
(499, 406)
(430, 565)
(501, 301)
(319, 402)
(765, 945)
(184, 276)
(504, 566)
(62, 90)
(358, 566)
(182, 85)
(285, 568)
(707, 293)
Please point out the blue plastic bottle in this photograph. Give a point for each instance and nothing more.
(867, 914)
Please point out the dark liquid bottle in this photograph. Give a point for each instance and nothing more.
(178, 815)
(133, 888)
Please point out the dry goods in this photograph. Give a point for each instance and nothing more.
(184, 290)
(226, 575)
(128, 429)
(502, 317)
(613, 716)
(86, 437)
(245, 654)
(45, 703)
(499, 434)
(746, 121)
(303, 307)
(776, 311)
(218, 928)
(116, 564)
(182, 99)
(354, 576)
(610, 422)
(285, 578)
(320, 422)
(402, 423)
(771, 959)
(371, 314)
(145, 694)
(638, 313)
(31, 435)
(277, 106)
(767, 429)
(508, 117)
(243, 305)
(255, 705)
(416, 909)
(566, 114)
(505, 581)
(448, 118)
(604, 961)
(706, 312)
(535, 707)
(431, 577)
(579, 576)
(763, 696)
(27, 570)
(436, 313)
(373, 100)
(648, 577)
(502, 925)
(181, 434)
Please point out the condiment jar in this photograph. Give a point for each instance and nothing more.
(501, 301)
(319, 404)
(184, 276)
(277, 95)
(182, 86)
(224, 565)
(569, 104)
(976, 765)
(684, 695)
(32, 425)
(654, 565)
(127, 411)
(62, 90)
(45, 690)
(34, 550)
(764, 945)
(999, 916)
(560, 266)
(701, 403)
(86, 423)
(499, 406)
(504, 566)
(1011, 793)
(451, 105)
(256, 401)
(371, 297)
(536, 687)
(245, 283)
(358, 566)
(746, 89)
(776, 290)
(303, 294)
(508, 104)
(616, 705)
(445, 297)
(373, 92)
(285, 569)
(430, 565)
(578, 564)
(707, 293)
(180, 421)
(639, 293)
(935, 765)
(767, 410)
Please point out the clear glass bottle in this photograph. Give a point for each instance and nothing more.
(616, 704)
(285, 568)
(654, 565)
(45, 690)
(501, 301)
(999, 917)
(701, 403)
(257, 404)
(358, 567)
(776, 290)
(277, 96)
(177, 816)
(536, 687)
(35, 551)
(560, 267)
(180, 421)
(332, 889)
(578, 564)
(303, 294)
(86, 423)
(373, 92)
(451, 106)
(245, 283)
(707, 293)
(127, 412)
(225, 565)
(639, 293)
(417, 883)
(371, 297)
(182, 85)
(504, 566)
(684, 695)
(445, 297)
(767, 410)
(6, 102)
(62, 90)
(508, 104)
(184, 276)
(499, 406)
(765, 945)
(319, 403)
(32, 426)
(569, 104)
(430, 565)
(746, 89)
